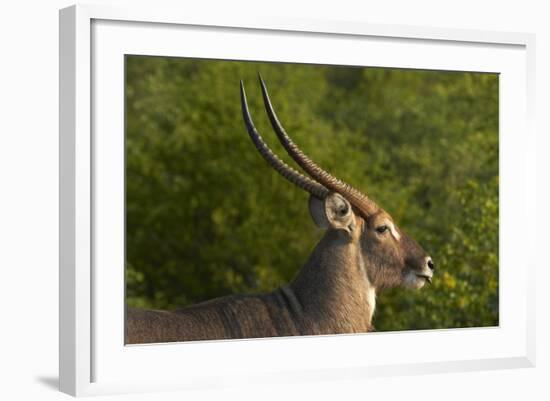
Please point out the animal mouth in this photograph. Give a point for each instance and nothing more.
(425, 276)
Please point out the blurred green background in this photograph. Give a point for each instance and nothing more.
(206, 216)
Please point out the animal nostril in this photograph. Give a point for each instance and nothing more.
(431, 264)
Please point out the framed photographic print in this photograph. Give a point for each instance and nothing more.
(290, 199)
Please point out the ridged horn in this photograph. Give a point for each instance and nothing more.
(358, 199)
(300, 180)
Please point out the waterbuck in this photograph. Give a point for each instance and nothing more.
(361, 252)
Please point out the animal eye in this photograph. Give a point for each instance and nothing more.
(382, 229)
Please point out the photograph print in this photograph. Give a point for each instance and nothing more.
(282, 199)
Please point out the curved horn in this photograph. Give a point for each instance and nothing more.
(356, 197)
(280, 166)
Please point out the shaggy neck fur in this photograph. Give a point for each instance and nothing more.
(333, 287)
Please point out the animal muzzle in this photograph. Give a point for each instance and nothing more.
(427, 269)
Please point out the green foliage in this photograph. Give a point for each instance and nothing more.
(207, 217)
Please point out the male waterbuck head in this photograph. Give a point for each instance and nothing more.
(387, 254)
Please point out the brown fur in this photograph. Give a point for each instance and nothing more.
(332, 293)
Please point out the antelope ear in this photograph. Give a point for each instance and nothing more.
(334, 211)
(317, 211)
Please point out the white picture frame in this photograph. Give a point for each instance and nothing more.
(93, 358)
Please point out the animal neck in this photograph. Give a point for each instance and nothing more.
(333, 287)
